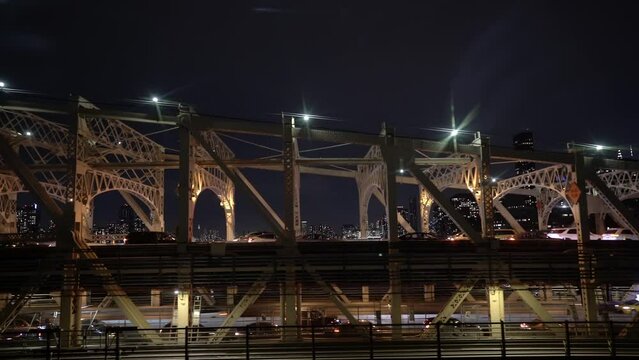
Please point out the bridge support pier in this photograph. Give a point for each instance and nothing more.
(181, 313)
(156, 297)
(496, 308)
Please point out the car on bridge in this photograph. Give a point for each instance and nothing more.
(260, 329)
(149, 238)
(505, 234)
(456, 327)
(619, 234)
(628, 307)
(569, 234)
(257, 236)
(420, 236)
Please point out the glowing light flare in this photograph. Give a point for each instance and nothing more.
(598, 147)
(306, 117)
(2, 84)
(155, 99)
(454, 132)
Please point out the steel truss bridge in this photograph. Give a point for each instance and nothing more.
(67, 153)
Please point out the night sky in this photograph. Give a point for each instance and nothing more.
(565, 70)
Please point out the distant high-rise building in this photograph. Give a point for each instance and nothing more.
(28, 218)
(524, 141)
(128, 221)
(465, 205)
(413, 209)
(350, 231)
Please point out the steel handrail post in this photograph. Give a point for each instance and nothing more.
(313, 340)
(439, 340)
(248, 356)
(48, 346)
(503, 339)
(186, 343)
(567, 351)
(613, 344)
(58, 345)
(370, 335)
(117, 344)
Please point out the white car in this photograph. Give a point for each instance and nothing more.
(505, 234)
(619, 234)
(569, 234)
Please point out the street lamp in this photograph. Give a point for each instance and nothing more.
(306, 117)
(155, 99)
(454, 132)
(2, 84)
(598, 147)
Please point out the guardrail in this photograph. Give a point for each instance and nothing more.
(504, 339)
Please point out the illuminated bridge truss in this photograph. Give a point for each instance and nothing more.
(111, 156)
(103, 144)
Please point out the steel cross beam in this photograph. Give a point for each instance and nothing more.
(446, 205)
(240, 183)
(224, 124)
(613, 202)
(252, 294)
(580, 213)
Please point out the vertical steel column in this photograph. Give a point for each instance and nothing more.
(186, 197)
(391, 161)
(586, 272)
(72, 224)
(186, 200)
(486, 191)
(291, 210)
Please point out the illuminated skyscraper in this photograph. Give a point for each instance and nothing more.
(524, 141)
(28, 218)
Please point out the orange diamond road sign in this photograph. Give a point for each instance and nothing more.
(573, 192)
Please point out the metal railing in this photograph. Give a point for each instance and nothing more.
(504, 339)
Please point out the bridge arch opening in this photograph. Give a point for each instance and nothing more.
(210, 217)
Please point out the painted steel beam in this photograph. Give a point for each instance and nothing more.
(453, 304)
(446, 205)
(613, 202)
(241, 182)
(580, 213)
(333, 294)
(12, 159)
(272, 129)
(508, 217)
(524, 293)
(247, 300)
(137, 209)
